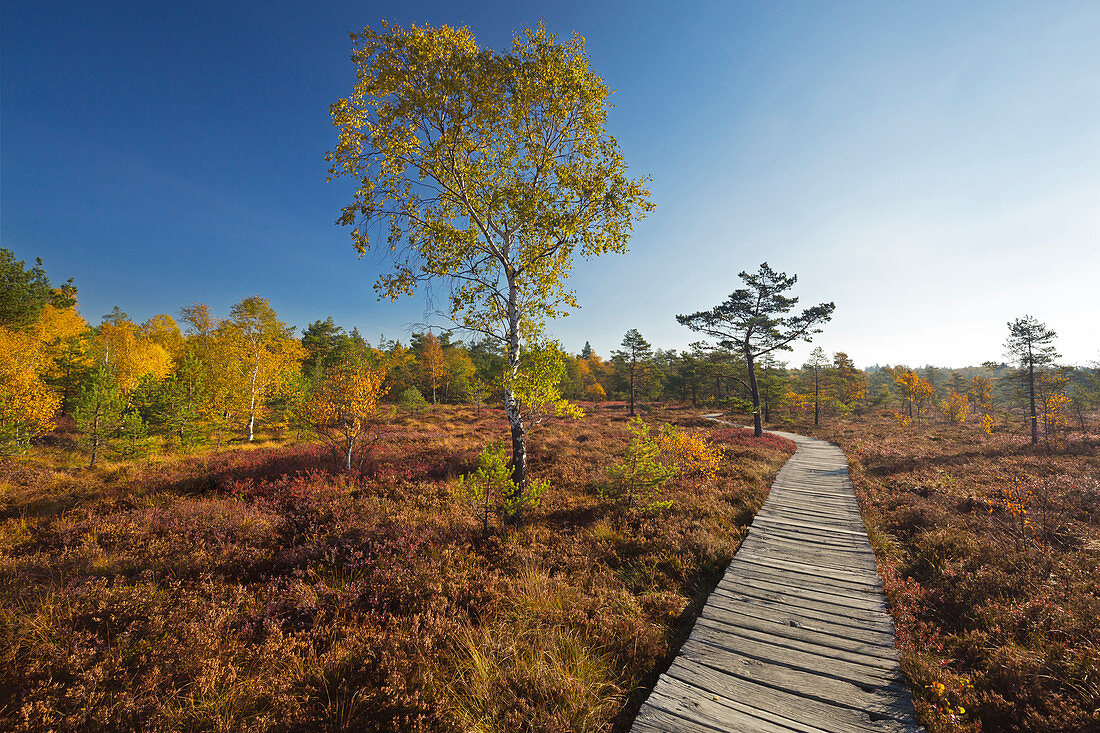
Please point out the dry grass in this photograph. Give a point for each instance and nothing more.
(260, 589)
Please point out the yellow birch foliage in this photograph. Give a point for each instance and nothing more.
(57, 330)
(903, 419)
(56, 324)
(131, 355)
(595, 392)
(163, 331)
(343, 407)
(797, 403)
(432, 365)
(536, 385)
(260, 355)
(914, 390)
(981, 393)
(1054, 402)
(27, 405)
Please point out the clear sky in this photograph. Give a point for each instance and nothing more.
(933, 168)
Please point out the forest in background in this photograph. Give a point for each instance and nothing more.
(179, 383)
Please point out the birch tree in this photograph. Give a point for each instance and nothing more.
(487, 171)
(266, 353)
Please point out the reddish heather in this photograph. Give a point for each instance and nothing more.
(265, 590)
(990, 552)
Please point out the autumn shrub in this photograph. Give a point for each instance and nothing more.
(595, 393)
(956, 407)
(691, 453)
(261, 590)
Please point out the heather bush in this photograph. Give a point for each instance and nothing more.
(260, 590)
(987, 548)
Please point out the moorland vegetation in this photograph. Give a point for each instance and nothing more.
(228, 525)
(342, 530)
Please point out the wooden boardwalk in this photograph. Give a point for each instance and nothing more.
(796, 636)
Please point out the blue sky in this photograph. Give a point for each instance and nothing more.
(933, 168)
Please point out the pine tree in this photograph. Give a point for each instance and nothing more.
(753, 321)
(1030, 344)
(635, 352)
(98, 410)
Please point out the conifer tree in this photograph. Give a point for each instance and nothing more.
(816, 366)
(98, 410)
(1030, 344)
(635, 352)
(753, 321)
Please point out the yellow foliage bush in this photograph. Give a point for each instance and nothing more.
(903, 419)
(27, 405)
(594, 392)
(691, 453)
(956, 407)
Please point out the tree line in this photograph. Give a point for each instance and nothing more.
(197, 378)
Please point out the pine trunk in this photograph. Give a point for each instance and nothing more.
(632, 390)
(757, 427)
(1031, 391)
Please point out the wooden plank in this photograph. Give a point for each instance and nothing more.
(719, 646)
(878, 646)
(817, 535)
(824, 557)
(785, 543)
(800, 587)
(798, 526)
(787, 705)
(793, 652)
(833, 515)
(795, 637)
(765, 599)
(682, 699)
(887, 701)
(652, 719)
(798, 564)
(851, 629)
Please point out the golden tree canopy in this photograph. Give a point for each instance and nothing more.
(488, 168)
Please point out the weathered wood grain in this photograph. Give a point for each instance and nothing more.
(795, 637)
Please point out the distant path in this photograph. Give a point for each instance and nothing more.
(796, 636)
